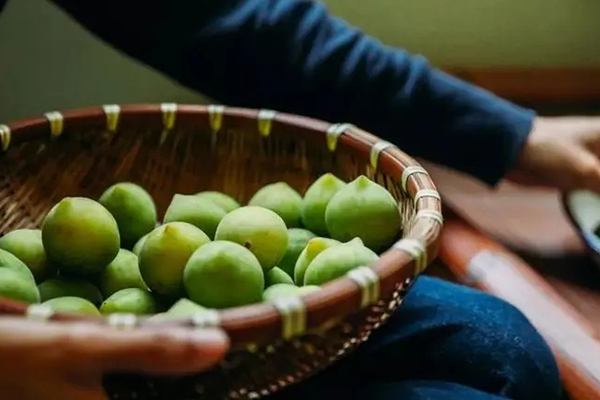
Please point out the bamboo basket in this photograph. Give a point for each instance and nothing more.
(170, 148)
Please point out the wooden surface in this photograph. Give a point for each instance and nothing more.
(537, 85)
(518, 244)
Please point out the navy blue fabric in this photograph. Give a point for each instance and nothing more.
(445, 342)
(292, 55)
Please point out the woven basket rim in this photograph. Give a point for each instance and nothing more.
(263, 323)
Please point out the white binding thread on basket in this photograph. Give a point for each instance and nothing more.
(169, 114)
(206, 319)
(122, 320)
(5, 136)
(112, 112)
(56, 123)
(434, 215)
(334, 132)
(423, 193)
(39, 312)
(408, 172)
(293, 315)
(416, 249)
(376, 149)
(368, 281)
(215, 117)
(265, 121)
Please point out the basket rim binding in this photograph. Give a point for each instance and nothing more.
(264, 323)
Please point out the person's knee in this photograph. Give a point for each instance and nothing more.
(450, 332)
(519, 364)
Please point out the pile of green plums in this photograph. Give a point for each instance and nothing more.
(110, 255)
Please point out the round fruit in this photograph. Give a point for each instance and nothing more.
(202, 213)
(224, 201)
(133, 209)
(277, 275)
(336, 261)
(298, 239)
(139, 244)
(16, 286)
(80, 236)
(258, 229)
(280, 290)
(282, 199)
(223, 274)
(129, 301)
(312, 249)
(9, 261)
(366, 210)
(72, 305)
(27, 246)
(184, 308)
(69, 287)
(165, 254)
(122, 273)
(315, 202)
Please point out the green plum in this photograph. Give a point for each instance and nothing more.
(69, 287)
(258, 229)
(130, 301)
(27, 246)
(72, 305)
(165, 254)
(202, 213)
(223, 274)
(133, 209)
(366, 210)
(282, 199)
(315, 202)
(80, 236)
(224, 201)
(122, 273)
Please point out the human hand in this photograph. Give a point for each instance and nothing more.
(561, 152)
(66, 361)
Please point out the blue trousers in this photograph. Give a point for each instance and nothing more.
(445, 342)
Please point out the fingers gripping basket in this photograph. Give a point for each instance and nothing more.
(171, 149)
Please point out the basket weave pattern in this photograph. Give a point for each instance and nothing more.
(185, 149)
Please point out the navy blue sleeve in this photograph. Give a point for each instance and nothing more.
(292, 55)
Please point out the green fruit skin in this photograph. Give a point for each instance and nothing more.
(282, 199)
(72, 305)
(70, 287)
(139, 244)
(184, 308)
(307, 256)
(277, 275)
(133, 209)
(9, 261)
(224, 201)
(258, 229)
(80, 236)
(223, 274)
(129, 301)
(165, 253)
(15, 286)
(366, 210)
(27, 246)
(202, 213)
(337, 261)
(280, 290)
(315, 202)
(122, 273)
(297, 240)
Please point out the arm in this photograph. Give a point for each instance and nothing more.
(291, 55)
